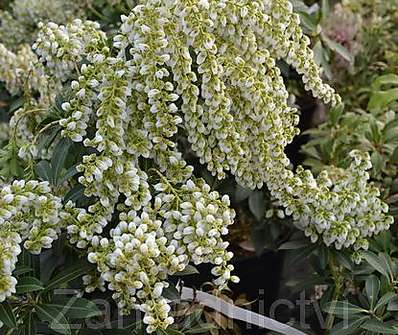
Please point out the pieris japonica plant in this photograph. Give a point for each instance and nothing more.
(202, 69)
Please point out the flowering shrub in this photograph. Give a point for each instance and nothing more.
(205, 70)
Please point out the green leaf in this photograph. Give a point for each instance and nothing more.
(21, 270)
(168, 331)
(325, 8)
(385, 299)
(30, 324)
(394, 156)
(257, 204)
(49, 137)
(308, 22)
(336, 113)
(292, 245)
(200, 329)
(59, 158)
(386, 262)
(344, 260)
(337, 48)
(72, 171)
(372, 288)
(393, 305)
(74, 194)
(377, 162)
(377, 326)
(44, 171)
(343, 309)
(7, 315)
(189, 270)
(77, 308)
(382, 99)
(241, 193)
(375, 262)
(171, 293)
(347, 327)
(387, 79)
(66, 277)
(390, 135)
(54, 317)
(192, 319)
(29, 284)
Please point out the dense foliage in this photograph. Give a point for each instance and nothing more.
(116, 133)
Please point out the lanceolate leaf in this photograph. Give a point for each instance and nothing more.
(29, 284)
(377, 326)
(7, 315)
(59, 157)
(385, 300)
(376, 263)
(66, 277)
(347, 327)
(77, 308)
(343, 309)
(54, 317)
(30, 324)
(372, 288)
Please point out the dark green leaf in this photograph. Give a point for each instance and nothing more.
(22, 270)
(171, 293)
(192, 319)
(66, 276)
(337, 48)
(28, 284)
(292, 245)
(393, 305)
(241, 193)
(377, 326)
(7, 315)
(59, 158)
(394, 156)
(386, 299)
(343, 309)
(44, 171)
(347, 327)
(77, 308)
(375, 262)
(372, 288)
(72, 171)
(257, 204)
(30, 324)
(200, 329)
(74, 194)
(189, 270)
(168, 331)
(55, 318)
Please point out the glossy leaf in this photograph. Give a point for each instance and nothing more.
(257, 204)
(343, 309)
(372, 288)
(7, 315)
(54, 317)
(29, 284)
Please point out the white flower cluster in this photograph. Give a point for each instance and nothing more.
(22, 71)
(29, 213)
(62, 48)
(181, 225)
(18, 24)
